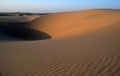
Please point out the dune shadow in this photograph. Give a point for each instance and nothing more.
(20, 31)
(0, 74)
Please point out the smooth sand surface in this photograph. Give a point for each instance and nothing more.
(83, 43)
(72, 23)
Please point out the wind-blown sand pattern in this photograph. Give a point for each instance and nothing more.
(83, 43)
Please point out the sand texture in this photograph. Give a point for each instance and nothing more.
(82, 43)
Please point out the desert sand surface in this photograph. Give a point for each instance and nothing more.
(18, 19)
(81, 43)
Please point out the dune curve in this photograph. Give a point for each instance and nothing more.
(72, 23)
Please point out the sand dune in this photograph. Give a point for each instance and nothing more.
(84, 43)
(71, 23)
(15, 28)
(18, 19)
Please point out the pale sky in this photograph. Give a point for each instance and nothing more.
(56, 5)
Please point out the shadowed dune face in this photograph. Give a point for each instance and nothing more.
(19, 31)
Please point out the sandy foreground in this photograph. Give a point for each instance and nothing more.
(82, 43)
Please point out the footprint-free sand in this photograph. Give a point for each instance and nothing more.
(81, 43)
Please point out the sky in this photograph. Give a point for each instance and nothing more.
(49, 6)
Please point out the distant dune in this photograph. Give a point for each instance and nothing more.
(83, 43)
(18, 19)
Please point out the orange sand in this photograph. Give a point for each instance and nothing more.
(84, 43)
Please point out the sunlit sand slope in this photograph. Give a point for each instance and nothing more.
(72, 23)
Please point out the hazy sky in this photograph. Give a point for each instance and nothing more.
(56, 5)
